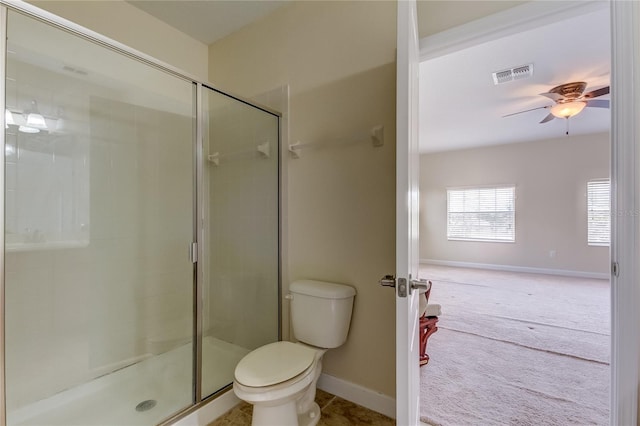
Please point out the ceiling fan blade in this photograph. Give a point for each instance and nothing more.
(526, 110)
(598, 103)
(553, 96)
(549, 117)
(595, 93)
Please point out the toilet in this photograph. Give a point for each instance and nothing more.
(279, 379)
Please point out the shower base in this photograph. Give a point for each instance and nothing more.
(165, 379)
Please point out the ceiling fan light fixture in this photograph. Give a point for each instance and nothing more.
(568, 109)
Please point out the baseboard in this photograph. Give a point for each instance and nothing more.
(210, 411)
(509, 268)
(360, 395)
(350, 391)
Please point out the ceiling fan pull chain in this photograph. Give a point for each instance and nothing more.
(567, 119)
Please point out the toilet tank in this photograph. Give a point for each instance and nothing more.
(321, 312)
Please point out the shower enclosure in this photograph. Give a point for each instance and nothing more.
(141, 230)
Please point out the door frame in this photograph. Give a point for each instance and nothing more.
(625, 223)
(625, 165)
(407, 205)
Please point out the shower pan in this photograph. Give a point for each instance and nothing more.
(140, 259)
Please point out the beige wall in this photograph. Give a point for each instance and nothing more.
(550, 178)
(339, 60)
(131, 26)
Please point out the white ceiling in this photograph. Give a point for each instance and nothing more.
(208, 20)
(460, 107)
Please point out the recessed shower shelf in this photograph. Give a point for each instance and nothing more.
(376, 138)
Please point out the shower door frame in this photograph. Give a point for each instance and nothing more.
(3, 68)
(197, 250)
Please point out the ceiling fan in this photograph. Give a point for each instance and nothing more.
(569, 100)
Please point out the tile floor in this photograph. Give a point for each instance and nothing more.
(335, 412)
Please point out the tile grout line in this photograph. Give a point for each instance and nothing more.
(328, 403)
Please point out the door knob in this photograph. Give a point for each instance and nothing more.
(388, 281)
(421, 284)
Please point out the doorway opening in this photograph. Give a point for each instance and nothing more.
(524, 335)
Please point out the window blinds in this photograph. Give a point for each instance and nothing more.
(598, 212)
(481, 214)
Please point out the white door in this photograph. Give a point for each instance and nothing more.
(407, 342)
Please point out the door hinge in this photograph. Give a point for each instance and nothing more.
(193, 252)
(615, 269)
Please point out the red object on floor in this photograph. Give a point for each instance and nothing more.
(427, 328)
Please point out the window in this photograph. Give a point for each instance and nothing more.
(481, 214)
(598, 212)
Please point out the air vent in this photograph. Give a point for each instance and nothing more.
(517, 73)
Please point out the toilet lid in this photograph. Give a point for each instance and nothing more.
(274, 363)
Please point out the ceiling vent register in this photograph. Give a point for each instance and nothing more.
(516, 73)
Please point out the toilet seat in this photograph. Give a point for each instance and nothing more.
(274, 363)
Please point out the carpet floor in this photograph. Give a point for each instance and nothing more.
(517, 349)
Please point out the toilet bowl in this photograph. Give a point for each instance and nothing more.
(280, 378)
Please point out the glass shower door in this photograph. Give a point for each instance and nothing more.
(99, 220)
(241, 235)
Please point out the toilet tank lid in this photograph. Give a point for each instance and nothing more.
(322, 289)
